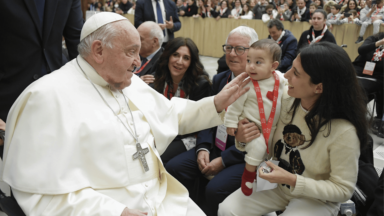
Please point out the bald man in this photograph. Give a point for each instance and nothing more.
(86, 139)
(151, 37)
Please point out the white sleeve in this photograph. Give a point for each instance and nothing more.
(233, 12)
(265, 18)
(247, 16)
(234, 111)
(82, 202)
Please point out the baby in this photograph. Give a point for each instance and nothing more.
(261, 104)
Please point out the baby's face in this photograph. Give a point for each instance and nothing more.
(259, 64)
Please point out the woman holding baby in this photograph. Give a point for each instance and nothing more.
(317, 142)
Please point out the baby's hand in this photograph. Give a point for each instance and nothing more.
(231, 131)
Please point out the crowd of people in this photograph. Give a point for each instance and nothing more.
(133, 125)
(362, 13)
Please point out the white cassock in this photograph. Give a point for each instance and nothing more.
(66, 152)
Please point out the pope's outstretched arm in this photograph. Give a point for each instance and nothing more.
(231, 92)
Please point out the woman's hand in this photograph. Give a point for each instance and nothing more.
(278, 175)
(247, 131)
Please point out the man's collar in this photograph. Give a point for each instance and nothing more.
(153, 54)
(91, 72)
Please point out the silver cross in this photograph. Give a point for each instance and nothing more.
(141, 155)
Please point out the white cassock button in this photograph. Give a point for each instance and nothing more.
(146, 185)
(116, 95)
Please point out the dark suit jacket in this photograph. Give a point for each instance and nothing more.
(206, 138)
(305, 17)
(288, 51)
(150, 67)
(144, 12)
(26, 46)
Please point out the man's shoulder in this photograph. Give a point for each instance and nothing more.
(289, 36)
(219, 77)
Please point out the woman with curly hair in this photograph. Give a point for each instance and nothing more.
(181, 74)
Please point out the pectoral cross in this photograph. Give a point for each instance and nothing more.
(141, 155)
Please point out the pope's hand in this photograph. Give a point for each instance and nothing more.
(231, 92)
(202, 159)
(133, 212)
(278, 175)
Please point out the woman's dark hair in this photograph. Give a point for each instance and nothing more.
(321, 3)
(378, 36)
(322, 12)
(229, 6)
(347, 9)
(249, 9)
(194, 72)
(342, 96)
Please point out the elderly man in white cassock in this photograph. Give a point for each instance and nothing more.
(87, 138)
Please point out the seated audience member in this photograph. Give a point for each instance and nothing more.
(180, 6)
(333, 18)
(317, 141)
(286, 41)
(271, 13)
(259, 9)
(362, 4)
(200, 9)
(246, 13)
(291, 4)
(236, 11)
(301, 14)
(205, 10)
(319, 4)
(222, 11)
(124, 7)
(132, 10)
(152, 38)
(312, 8)
(219, 159)
(352, 5)
(243, 2)
(352, 17)
(252, 4)
(327, 6)
(318, 31)
(371, 52)
(180, 74)
(190, 10)
(284, 13)
(371, 14)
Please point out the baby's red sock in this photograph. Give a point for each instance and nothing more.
(247, 182)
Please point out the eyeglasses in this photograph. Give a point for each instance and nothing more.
(239, 50)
